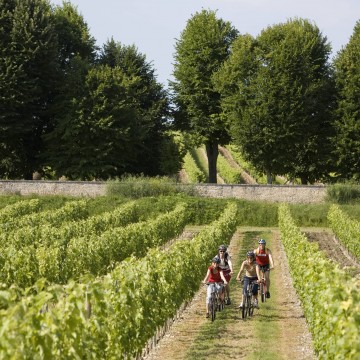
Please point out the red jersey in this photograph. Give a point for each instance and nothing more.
(214, 277)
(262, 257)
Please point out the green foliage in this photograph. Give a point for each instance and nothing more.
(310, 215)
(346, 229)
(201, 160)
(202, 48)
(139, 186)
(28, 70)
(91, 319)
(277, 97)
(228, 173)
(73, 36)
(330, 297)
(194, 173)
(259, 177)
(347, 75)
(152, 105)
(256, 213)
(343, 193)
(97, 137)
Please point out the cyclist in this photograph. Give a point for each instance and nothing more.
(252, 274)
(265, 261)
(214, 276)
(226, 267)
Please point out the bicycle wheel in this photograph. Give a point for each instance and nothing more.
(262, 292)
(250, 307)
(213, 308)
(244, 308)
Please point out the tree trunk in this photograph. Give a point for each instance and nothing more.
(212, 152)
(304, 180)
(268, 177)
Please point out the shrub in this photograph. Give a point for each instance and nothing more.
(343, 193)
(140, 186)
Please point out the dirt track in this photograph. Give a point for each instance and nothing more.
(195, 337)
(334, 250)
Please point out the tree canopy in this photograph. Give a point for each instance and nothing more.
(277, 94)
(28, 67)
(202, 48)
(347, 75)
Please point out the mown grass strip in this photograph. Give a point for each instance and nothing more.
(266, 319)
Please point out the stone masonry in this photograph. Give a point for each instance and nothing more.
(271, 193)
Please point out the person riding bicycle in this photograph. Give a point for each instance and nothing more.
(227, 268)
(214, 275)
(252, 274)
(265, 261)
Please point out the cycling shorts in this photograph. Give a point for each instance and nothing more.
(248, 280)
(264, 267)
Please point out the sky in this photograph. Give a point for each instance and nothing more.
(154, 25)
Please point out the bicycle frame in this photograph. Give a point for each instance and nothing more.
(263, 286)
(216, 304)
(248, 305)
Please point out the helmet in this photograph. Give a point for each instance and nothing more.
(223, 247)
(216, 260)
(250, 254)
(262, 241)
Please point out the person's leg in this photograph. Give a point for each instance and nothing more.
(208, 297)
(227, 289)
(246, 281)
(255, 293)
(267, 277)
(221, 291)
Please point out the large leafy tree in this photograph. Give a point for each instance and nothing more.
(151, 102)
(76, 53)
(28, 67)
(73, 36)
(347, 71)
(202, 48)
(97, 137)
(278, 94)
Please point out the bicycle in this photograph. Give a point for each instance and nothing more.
(215, 304)
(263, 286)
(248, 304)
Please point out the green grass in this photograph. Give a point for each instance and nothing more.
(266, 321)
(343, 193)
(201, 162)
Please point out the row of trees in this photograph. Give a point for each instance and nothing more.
(277, 96)
(70, 108)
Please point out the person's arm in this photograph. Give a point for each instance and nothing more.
(258, 272)
(240, 271)
(223, 277)
(231, 267)
(206, 277)
(271, 259)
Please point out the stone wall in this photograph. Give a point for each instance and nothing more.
(272, 193)
(43, 187)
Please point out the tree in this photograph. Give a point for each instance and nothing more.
(73, 36)
(347, 75)
(202, 48)
(152, 105)
(27, 70)
(278, 96)
(76, 51)
(98, 135)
